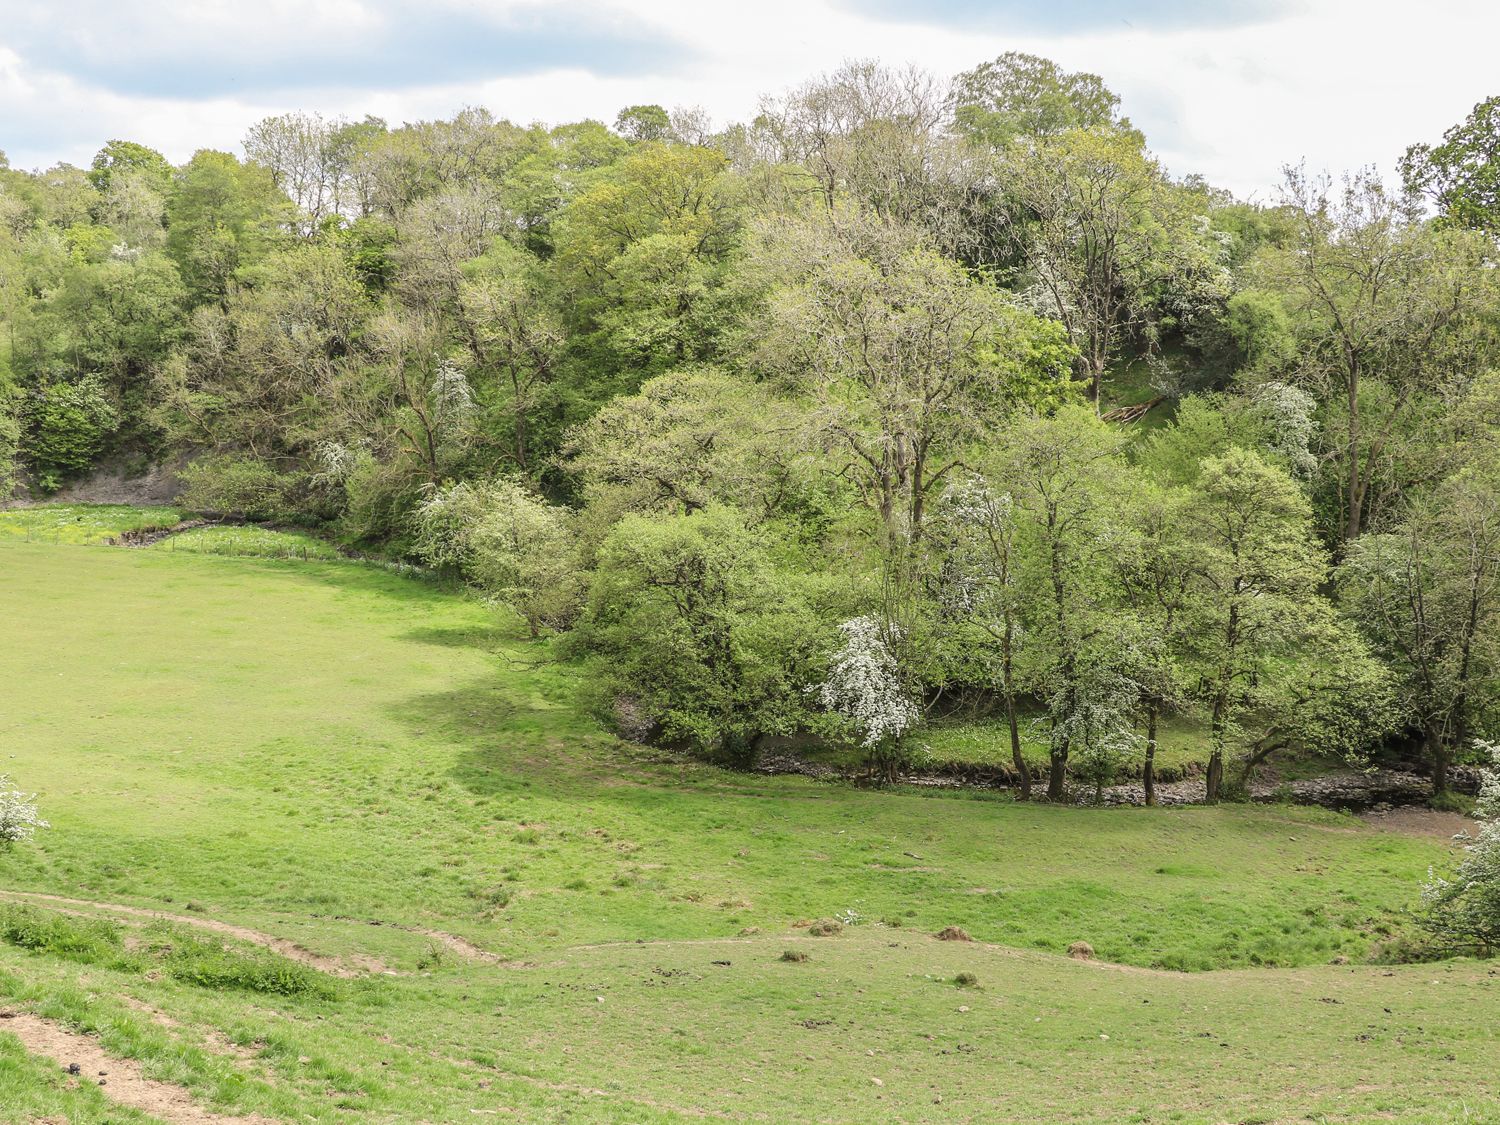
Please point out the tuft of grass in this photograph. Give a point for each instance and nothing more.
(162, 949)
(1452, 802)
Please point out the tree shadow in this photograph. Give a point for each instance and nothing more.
(486, 638)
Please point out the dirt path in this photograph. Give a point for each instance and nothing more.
(353, 966)
(452, 942)
(1412, 821)
(121, 1080)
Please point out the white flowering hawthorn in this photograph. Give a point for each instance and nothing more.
(452, 393)
(18, 814)
(1292, 414)
(1465, 910)
(864, 684)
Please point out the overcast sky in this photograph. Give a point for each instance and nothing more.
(1232, 89)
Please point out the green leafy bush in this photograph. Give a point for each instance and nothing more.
(67, 427)
(238, 485)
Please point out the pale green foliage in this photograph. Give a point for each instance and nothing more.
(513, 334)
(694, 623)
(1463, 908)
(690, 438)
(1061, 472)
(1383, 310)
(1021, 95)
(1427, 594)
(506, 541)
(10, 446)
(1102, 231)
(234, 484)
(1257, 568)
(908, 357)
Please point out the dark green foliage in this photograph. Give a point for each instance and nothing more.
(1462, 174)
(67, 426)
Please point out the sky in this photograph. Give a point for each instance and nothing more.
(1229, 89)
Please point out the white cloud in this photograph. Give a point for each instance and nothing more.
(1341, 83)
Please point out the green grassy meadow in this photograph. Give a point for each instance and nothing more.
(372, 766)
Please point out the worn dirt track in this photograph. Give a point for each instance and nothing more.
(123, 1080)
(334, 966)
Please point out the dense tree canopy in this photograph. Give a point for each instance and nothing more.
(908, 394)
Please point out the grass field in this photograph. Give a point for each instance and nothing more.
(537, 923)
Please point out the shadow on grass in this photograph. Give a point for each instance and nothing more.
(486, 638)
(526, 727)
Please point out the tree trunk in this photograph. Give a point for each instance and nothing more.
(1215, 779)
(1437, 753)
(1148, 773)
(1357, 483)
(1056, 774)
(1215, 775)
(1023, 775)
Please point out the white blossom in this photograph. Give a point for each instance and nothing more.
(18, 814)
(864, 683)
(337, 461)
(1291, 412)
(452, 393)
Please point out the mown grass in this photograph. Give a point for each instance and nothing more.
(309, 747)
(81, 523)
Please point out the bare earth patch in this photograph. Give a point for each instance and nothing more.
(1411, 820)
(123, 1080)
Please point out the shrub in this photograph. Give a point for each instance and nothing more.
(696, 625)
(966, 980)
(68, 425)
(867, 693)
(18, 814)
(238, 485)
(1464, 911)
(511, 544)
(43, 931)
(10, 448)
(164, 949)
